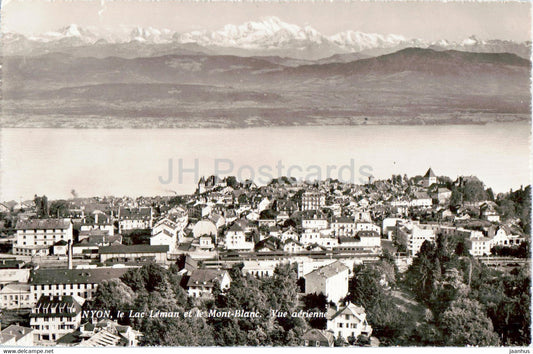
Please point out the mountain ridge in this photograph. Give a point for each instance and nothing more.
(268, 36)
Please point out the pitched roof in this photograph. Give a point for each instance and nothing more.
(43, 224)
(329, 270)
(205, 277)
(75, 276)
(317, 335)
(430, 173)
(15, 287)
(236, 227)
(355, 310)
(61, 304)
(15, 331)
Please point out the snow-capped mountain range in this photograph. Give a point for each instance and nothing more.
(268, 36)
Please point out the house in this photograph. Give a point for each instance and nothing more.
(54, 316)
(421, 200)
(318, 338)
(99, 237)
(135, 218)
(165, 238)
(343, 226)
(289, 234)
(349, 322)
(74, 282)
(330, 280)
(206, 242)
(13, 275)
(235, 239)
(98, 221)
(367, 226)
(60, 248)
(16, 335)
(313, 200)
(37, 236)
(202, 281)
(479, 245)
(269, 244)
(105, 333)
(429, 178)
(16, 296)
(315, 222)
(363, 241)
(490, 214)
(292, 246)
(415, 236)
(134, 253)
(504, 237)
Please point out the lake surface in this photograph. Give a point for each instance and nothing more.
(97, 162)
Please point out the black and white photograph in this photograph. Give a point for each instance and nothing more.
(342, 174)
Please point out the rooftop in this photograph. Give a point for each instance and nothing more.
(43, 224)
(75, 276)
(329, 270)
(133, 249)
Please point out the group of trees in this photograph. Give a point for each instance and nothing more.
(152, 287)
(517, 204)
(367, 289)
(469, 303)
(520, 251)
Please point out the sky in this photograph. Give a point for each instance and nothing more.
(428, 20)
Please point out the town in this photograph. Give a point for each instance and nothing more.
(292, 263)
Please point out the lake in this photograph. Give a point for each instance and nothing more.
(134, 162)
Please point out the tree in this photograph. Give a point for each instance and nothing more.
(316, 302)
(41, 206)
(423, 273)
(147, 278)
(113, 295)
(465, 323)
(59, 208)
(177, 331)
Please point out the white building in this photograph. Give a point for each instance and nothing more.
(315, 223)
(479, 246)
(72, 282)
(37, 236)
(292, 246)
(343, 226)
(202, 281)
(313, 200)
(236, 239)
(349, 322)
(330, 280)
(54, 316)
(322, 238)
(504, 237)
(416, 236)
(367, 226)
(16, 296)
(135, 218)
(15, 335)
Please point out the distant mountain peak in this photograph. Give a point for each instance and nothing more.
(265, 36)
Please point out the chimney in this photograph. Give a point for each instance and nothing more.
(69, 253)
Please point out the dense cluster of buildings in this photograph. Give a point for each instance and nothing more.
(57, 263)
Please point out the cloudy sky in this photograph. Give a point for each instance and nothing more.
(429, 20)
